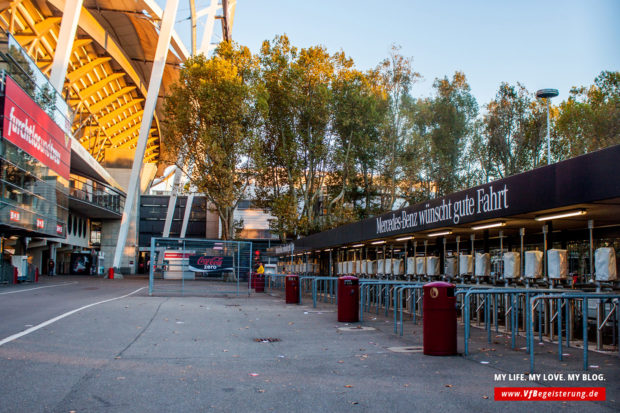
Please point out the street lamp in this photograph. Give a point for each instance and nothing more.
(547, 94)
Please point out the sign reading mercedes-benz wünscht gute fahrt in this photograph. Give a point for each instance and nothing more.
(447, 211)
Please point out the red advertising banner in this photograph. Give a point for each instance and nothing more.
(31, 129)
(550, 393)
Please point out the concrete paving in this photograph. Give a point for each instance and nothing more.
(196, 354)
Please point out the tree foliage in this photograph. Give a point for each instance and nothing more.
(319, 143)
(210, 123)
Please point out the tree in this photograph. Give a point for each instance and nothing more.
(295, 141)
(514, 131)
(590, 118)
(359, 109)
(397, 76)
(277, 168)
(211, 122)
(454, 111)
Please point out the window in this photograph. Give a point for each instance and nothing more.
(95, 232)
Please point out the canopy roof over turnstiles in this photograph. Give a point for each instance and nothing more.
(109, 68)
(587, 185)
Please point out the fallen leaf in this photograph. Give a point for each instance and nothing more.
(253, 374)
(348, 386)
(448, 385)
(485, 397)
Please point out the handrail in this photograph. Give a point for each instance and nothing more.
(96, 193)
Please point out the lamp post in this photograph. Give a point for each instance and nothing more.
(547, 94)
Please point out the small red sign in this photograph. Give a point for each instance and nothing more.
(58, 229)
(14, 215)
(40, 223)
(175, 255)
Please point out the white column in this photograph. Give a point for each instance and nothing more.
(172, 202)
(68, 26)
(206, 46)
(159, 63)
(188, 210)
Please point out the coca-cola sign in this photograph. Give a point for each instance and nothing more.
(209, 263)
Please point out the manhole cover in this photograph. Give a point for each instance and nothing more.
(410, 349)
(357, 328)
(267, 340)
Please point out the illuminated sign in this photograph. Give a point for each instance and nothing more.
(208, 263)
(31, 129)
(40, 223)
(59, 229)
(447, 211)
(14, 215)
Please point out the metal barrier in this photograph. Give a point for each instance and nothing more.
(491, 303)
(509, 293)
(584, 297)
(414, 301)
(197, 266)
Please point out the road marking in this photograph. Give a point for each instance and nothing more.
(37, 288)
(60, 317)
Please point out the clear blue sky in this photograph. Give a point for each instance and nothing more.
(542, 44)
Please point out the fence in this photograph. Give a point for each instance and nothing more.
(198, 267)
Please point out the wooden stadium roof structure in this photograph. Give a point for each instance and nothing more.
(109, 68)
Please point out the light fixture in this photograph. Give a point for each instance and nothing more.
(327, 250)
(439, 234)
(405, 238)
(377, 242)
(559, 215)
(396, 250)
(547, 94)
(357, 245)
(487, 226)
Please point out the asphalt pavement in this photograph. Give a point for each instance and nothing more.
(82, 344)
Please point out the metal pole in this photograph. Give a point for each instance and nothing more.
(544, 230)
(591, 230)
(331, 264)
(522, 257)
(548, 136)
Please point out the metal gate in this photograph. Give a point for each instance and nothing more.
(198, 266)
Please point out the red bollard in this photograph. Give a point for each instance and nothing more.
(348, 299)
(291, 288)
(111, 273)
(14, 275)
(36, 275)
(439, 308)
(259, 286)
